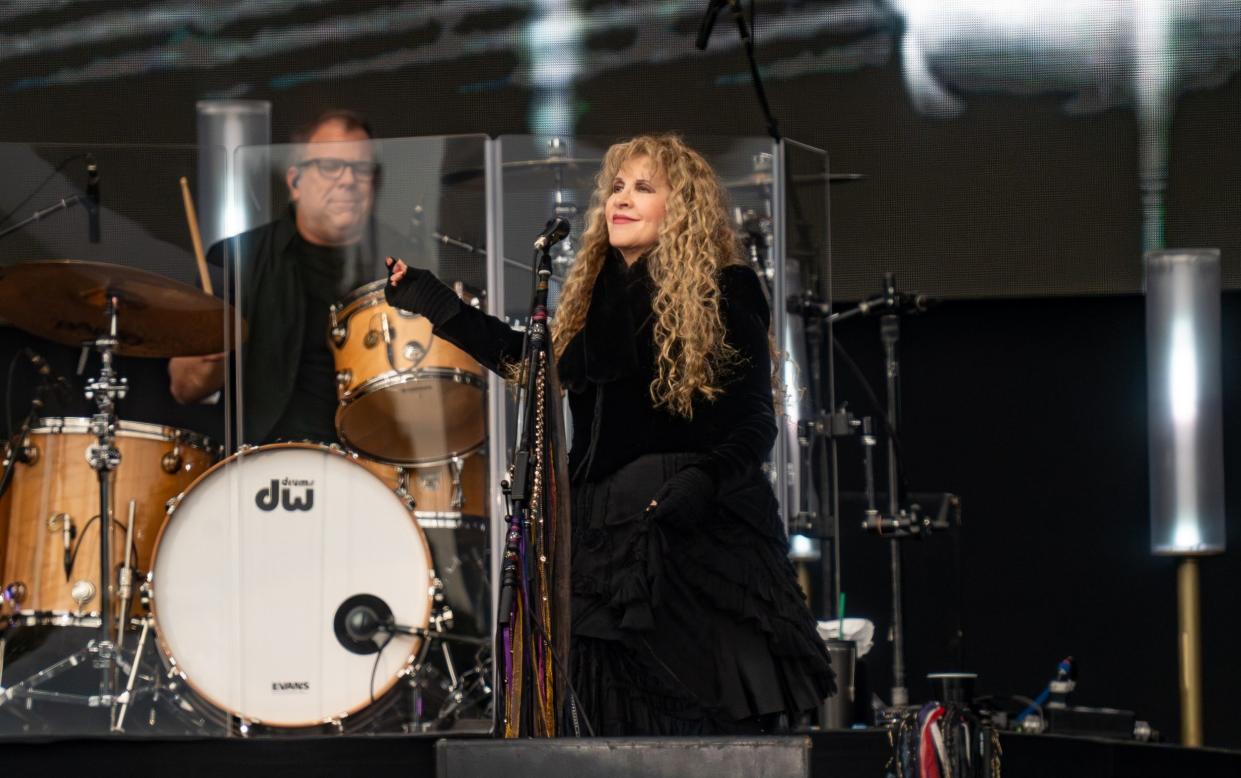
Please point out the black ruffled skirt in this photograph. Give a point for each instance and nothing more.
(688, 630)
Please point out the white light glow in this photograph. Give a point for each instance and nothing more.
(234, 221)
(791, 379)
(1187, 537)
(1183, 374)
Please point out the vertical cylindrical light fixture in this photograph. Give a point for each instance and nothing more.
(223, 126)
(1185, 437)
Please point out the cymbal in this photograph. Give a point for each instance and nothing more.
(65, 300)
(764, 179)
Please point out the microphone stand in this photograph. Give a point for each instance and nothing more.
(64, 204)
(898, 523)
(534, 346)
(519, 699)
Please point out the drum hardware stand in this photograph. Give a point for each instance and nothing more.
(897, 523)
(104, 458)
(464, 689)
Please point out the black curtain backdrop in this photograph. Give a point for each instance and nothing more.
(1025, 395)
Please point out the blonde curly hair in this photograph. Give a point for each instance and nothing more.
(695, 242)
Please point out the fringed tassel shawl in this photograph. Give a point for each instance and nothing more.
(535, 642)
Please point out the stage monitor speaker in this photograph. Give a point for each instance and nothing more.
(690, 757)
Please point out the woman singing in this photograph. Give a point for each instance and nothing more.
(687, 618)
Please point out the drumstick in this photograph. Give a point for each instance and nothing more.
(195, 237)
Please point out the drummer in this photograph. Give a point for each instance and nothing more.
(292, 270)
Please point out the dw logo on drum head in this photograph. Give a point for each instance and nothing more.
(276, 494)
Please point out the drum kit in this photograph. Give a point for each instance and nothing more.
(290, 587)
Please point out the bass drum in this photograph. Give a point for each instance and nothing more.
(256, 570)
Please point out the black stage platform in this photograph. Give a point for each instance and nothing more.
(832, 755)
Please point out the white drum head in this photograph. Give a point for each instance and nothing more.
(252, 567)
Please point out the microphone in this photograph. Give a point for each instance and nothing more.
(92, 197)
(911, 302)
(359, 619)
(362, 623)
(713, 12)
(556, 230)
(708, 23)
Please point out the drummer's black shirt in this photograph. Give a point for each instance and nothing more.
(311, 410)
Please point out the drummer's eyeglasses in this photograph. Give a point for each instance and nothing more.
(333, 168)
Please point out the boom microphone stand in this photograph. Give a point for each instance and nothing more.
(899, 523)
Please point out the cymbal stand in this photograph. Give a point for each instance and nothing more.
(104, 458)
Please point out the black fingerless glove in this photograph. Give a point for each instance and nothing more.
(421, 292)
(685, 499)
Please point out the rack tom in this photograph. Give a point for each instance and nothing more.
(406, 396)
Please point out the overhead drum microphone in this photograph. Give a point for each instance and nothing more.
(92, 197)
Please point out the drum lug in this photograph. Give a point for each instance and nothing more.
(402, 489)
(343, 379)
(458, 493)
(145, 593)
(441, 620)
(338, 330)
(15, 594)
(414, 352)
(28, 454)
(171, 461)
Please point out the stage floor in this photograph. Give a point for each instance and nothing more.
(832, 755)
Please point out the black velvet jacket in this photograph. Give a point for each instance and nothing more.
(608, 367)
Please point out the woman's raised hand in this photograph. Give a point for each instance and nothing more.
(396, 270)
